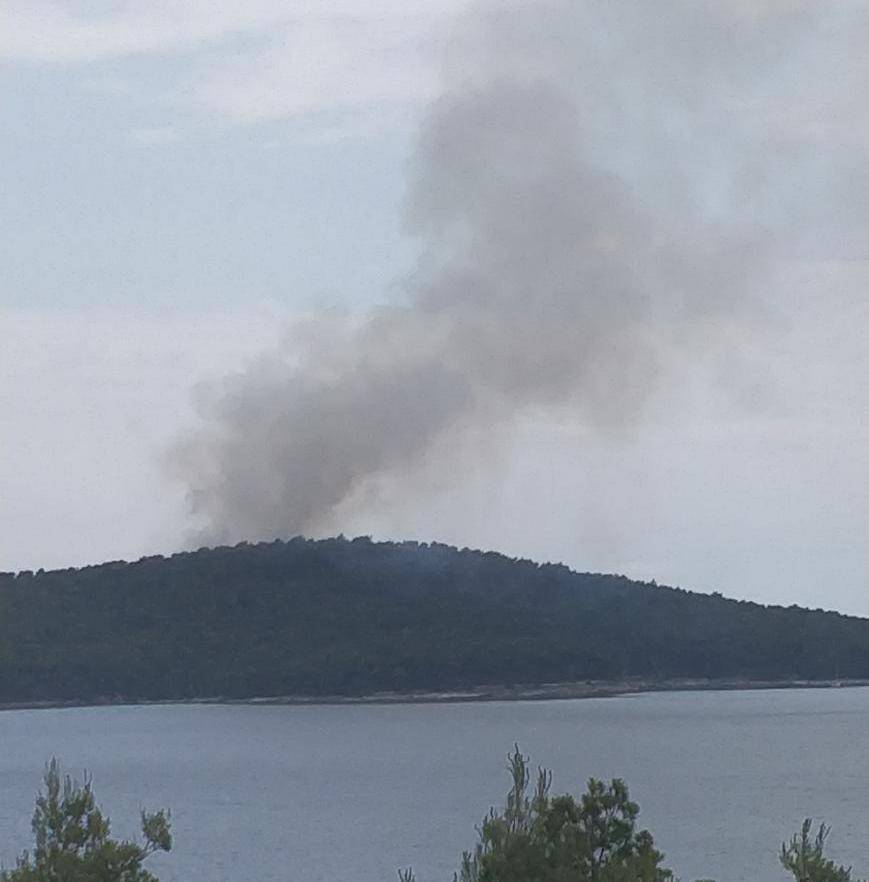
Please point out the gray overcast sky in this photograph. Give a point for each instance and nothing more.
(183, 183)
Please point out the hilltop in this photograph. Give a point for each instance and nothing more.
(353, 617)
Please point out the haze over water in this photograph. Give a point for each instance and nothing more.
(353, 792)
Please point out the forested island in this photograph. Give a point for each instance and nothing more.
(341, 617)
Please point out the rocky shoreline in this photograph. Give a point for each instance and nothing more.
(525, 692)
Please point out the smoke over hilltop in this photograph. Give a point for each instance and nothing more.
(593, 201)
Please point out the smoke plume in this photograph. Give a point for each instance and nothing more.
(595, 207)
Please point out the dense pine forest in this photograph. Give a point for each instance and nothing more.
(350, 617)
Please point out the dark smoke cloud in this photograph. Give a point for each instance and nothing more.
(595, 205)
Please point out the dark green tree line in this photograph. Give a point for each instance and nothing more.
(346, 617)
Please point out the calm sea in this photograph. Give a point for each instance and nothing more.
(348, 794)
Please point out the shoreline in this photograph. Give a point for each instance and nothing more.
(525, 692)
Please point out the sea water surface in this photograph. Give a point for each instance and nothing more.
(350, 793)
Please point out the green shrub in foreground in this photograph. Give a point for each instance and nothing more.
(537, 837)
(73, 842)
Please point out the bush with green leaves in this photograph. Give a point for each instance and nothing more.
(804, 857)
(537, 837)
(543, 838)
(73, 842)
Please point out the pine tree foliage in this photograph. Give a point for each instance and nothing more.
(804, 857)
(73, 842)
(538, 837)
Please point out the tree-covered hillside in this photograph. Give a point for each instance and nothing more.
(352, 617)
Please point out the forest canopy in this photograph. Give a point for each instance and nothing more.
(352, 617)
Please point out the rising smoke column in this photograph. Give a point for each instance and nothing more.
(561, 269)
